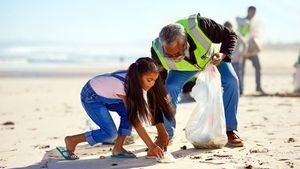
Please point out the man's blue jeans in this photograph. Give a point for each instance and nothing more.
(176, 79)
(98, 107)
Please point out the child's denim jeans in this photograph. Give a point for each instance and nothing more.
(98, 108)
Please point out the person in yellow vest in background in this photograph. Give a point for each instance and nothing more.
(238, 54)
(183, 49)
(247, 33)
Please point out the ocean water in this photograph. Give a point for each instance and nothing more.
(36, 57)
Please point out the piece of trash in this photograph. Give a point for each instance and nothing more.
(114, 164)
(183, 147)
(102, 157)
(291, 140)
(168, 158)
(195, 157)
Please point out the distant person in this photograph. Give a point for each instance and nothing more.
(297, 75)
(141, 91)
(184, 48)
(246, 32)
(238, 54)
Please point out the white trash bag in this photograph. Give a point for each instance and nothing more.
(206, 126)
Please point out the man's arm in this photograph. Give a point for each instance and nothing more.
(219, 34)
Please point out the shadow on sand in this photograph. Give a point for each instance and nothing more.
(95, 158)
(273, 95)
(92, 158)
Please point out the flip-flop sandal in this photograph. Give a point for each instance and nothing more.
(65, 153)
(123, 154)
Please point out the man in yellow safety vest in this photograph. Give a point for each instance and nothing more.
(183, 49)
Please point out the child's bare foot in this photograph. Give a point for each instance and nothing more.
(70, 146)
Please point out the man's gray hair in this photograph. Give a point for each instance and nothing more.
(171, 32)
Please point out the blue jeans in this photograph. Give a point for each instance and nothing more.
(98, 107)
(176, 79)
(256, 64)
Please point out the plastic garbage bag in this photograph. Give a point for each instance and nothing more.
(206, 126)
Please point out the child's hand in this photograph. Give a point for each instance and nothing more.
(162, 142)
(157, 151)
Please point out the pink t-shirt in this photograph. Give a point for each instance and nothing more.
(108, 86)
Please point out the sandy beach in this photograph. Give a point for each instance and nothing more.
(38, 110)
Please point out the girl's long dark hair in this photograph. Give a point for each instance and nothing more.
(135, 103)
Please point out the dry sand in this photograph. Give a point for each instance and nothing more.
(37, 112)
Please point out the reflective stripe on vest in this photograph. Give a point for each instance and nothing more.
(196, 31)
(203, 51)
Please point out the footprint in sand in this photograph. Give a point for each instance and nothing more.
(290, 164)
(54, 138)
(8, 123)
(258, 150)
(223, 156)
(41, 146)
(283, 159)
(251, 110)
(284, 104)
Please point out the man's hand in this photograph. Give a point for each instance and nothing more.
(217, 58)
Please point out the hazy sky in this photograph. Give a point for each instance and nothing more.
(134, 21)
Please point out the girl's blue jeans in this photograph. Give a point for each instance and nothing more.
(98, 107)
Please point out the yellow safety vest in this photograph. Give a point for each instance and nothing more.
(244, 28)
(203, 51)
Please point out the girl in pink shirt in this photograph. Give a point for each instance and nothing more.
(137, 95)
